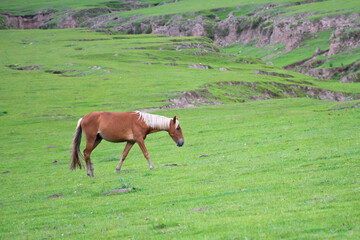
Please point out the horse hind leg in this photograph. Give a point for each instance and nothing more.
(91, 144)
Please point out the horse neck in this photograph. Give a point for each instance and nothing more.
(155, 122)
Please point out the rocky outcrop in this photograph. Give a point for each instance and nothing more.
(351, 78)
(344, 38)
(26, 21)
(345, 73)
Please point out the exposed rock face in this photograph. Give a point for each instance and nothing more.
(328, 73)
(68, 21)
(343, 39)
(27, 21)
(291, 90)
(355, 77)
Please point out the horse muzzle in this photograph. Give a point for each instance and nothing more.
(180, 142)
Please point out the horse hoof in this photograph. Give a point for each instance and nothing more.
(118, 171)
(151, 167)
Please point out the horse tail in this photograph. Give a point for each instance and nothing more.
(76, 148)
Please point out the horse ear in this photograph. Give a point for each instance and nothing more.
(174, 119)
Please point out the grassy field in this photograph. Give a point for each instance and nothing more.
(280, 168)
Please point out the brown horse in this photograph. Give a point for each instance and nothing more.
(130, 127)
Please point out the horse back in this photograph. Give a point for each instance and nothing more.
(112, 126)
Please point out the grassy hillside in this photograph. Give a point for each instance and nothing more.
(287, 7)
(280, 168)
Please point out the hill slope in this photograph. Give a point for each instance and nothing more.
(313, 37)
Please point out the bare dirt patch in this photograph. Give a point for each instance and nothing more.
(5, 172)
(189, 99)
(256, 91)
(200, 66)
(171, 165)
(273, 74)
(32, 67)
(50, 147)
(135, 48)
(55, 196)
(261, 92)
(224, 69)
(200, 209)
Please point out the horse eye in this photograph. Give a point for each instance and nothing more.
(178, 128)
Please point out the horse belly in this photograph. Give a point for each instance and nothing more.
(116, 135)
(116, 127)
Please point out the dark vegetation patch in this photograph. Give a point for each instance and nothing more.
(120, 38)
(160, 226)
(57, 71)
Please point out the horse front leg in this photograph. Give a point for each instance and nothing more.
(123, 156)
(145, 152)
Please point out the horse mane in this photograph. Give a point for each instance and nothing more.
(156, 122)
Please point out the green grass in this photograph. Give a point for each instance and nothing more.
(181, 7)
(284, 168)
(275, 52)
(318, 40)
(342, 59)
(324, 8)
(188, 6)
(253, 51)
(317, 9)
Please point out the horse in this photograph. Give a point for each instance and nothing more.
(129, 127)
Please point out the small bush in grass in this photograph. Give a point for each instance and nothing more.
(125, 183)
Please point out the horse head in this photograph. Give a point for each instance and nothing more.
(175, 132)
